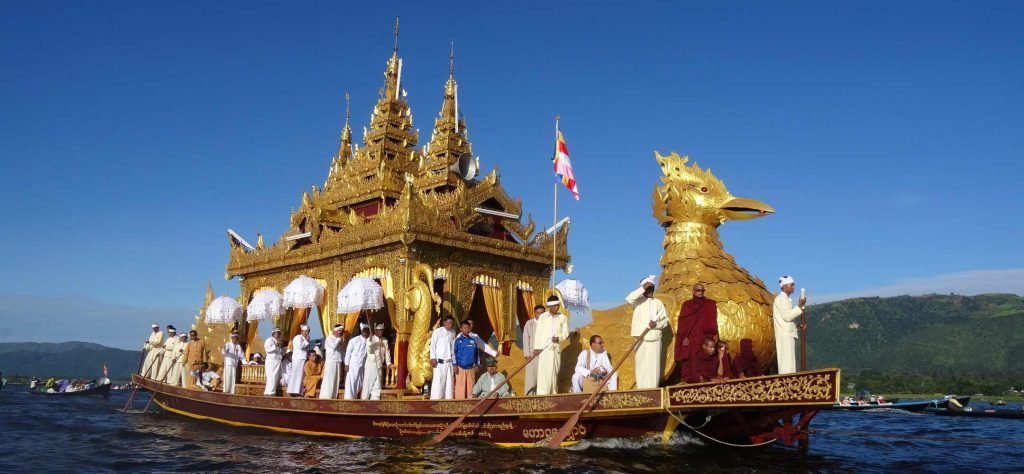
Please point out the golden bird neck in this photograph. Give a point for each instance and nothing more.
(681, 235)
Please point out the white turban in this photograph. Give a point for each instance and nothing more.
(275, 330)
(304, 328)
(785, 280)
(338, 327)
(650, 279)
(379, 326)
(363, 326)
(156, 326)
(553, 301)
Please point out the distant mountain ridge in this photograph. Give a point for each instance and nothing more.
(66, 359)
(930, 334)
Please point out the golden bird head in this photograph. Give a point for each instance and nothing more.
(692, 194)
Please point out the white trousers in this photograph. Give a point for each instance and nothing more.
(152, 363)
(442, 385)
(182, 375)
(648, 364)
(173, 374)
(295, 377)
(353, 382)
(371, 379)
(273, 373)
(229, 377)
(547, 370)
(786, 354)
(329, 386)
(530, 384)
(166, 360)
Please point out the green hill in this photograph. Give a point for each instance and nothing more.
(929, 340)
(66, 359)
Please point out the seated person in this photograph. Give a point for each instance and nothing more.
(703, 367)
(594, 364)
(746, 364)
(208, 378)
(257, 359)
(724, 361)
(490, 380)
(312, 372)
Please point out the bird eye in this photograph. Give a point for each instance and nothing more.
(703, 189)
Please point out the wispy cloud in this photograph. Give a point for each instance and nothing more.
(972, 282)
(81, 318)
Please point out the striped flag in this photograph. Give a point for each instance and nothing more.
(104, 369)
(563, 167)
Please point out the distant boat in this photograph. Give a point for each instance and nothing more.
(913, 406)
(985, 413)
(101, 389)
(3, 383)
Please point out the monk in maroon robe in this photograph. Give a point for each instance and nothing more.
(703, 366)
(698, 319)
(724, 370)
(746, 364)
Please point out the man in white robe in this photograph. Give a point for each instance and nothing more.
(648, 312)
(552, 329)
(529, 331)
(442, 384)
(355, 362)
(334, 346)
(179, 371)
(275, 354)
(155, 349)
(783, 318)
(233, 356)
(595, 363)
(167, 358)
(376, 358)
(300, 348)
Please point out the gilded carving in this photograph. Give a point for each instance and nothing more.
(452, 408)
(814, 387)
(526, 405)
(398, 408)
(612, 400)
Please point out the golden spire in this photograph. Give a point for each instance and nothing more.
(395, 49)
(448, 141)
(345, 148)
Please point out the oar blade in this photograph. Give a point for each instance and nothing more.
(564, 432)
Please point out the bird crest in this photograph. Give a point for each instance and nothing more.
(691, 194)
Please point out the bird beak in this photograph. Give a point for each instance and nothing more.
(743, 208)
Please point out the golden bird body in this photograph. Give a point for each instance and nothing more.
(690, 204)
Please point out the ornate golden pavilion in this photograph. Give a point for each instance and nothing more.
(439, 239)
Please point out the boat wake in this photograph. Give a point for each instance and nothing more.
(677, 440)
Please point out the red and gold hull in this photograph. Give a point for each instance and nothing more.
(740, 410)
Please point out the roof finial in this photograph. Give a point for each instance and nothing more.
(395, 50)
(451, 60)
(348, 113)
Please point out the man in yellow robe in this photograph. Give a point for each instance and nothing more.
(552, 329)
(648, 312)
(312, 372)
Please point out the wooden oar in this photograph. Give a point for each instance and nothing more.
(566, 429)
(455, 424)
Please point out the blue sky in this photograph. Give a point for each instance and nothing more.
(132, 134)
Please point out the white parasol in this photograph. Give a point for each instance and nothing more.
(359, 294)
(574, 294)
(266, 303)
(223, 310)
(303, 292)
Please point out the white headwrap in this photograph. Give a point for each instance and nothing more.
(554, 301)
(275, 330)
(379, 326)
(650, 279)
(338, 327)
(304, 328)
(155, 325)
(785, 280)
(363, 326)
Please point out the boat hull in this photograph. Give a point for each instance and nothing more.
(101, 391)
(517, 421)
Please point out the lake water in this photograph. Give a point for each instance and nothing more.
(91, 435)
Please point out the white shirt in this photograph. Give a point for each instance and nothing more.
(333, 347)
(441, 344)
(784, 315)
(596, 360)
(548, 326)
(480, 344)
(355, 354)
(156, 340)
(233, 354)
(378, 348)
(646, 310)
(274, 351)
(299, 345)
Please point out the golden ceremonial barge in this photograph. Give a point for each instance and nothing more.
(443, 239)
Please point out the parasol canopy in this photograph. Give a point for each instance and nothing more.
(359, 294)
(223, 310)
(574, 294)
(303, 292)
(265, 304)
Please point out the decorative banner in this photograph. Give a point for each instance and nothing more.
(223, 310)
(266, 303)
(303, 292)
(574, 294)
(359, 294)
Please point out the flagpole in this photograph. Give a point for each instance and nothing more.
(554, 221)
